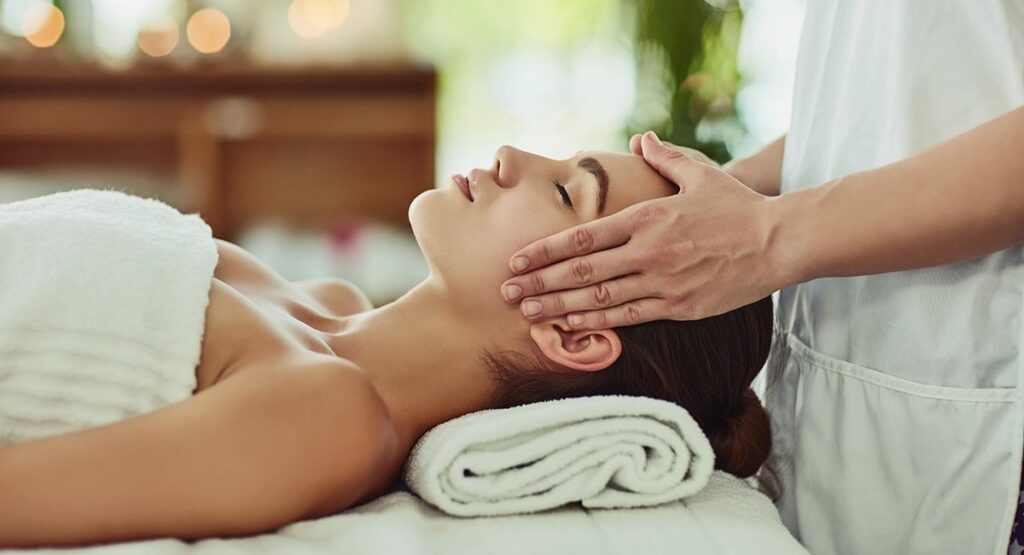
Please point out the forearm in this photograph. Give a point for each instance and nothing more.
(761, 171)
(74, 499)
(961, 199)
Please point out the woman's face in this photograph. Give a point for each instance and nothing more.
(520, 198)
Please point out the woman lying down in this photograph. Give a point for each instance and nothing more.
(307, 400)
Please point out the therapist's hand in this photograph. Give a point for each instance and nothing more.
(701, 252)
(636, 147)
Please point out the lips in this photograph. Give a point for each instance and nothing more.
(463, 184)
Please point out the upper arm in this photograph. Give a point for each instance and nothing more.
(249, 455)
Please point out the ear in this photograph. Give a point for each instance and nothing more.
(586, 350)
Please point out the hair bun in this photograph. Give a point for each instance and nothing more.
(745, 441)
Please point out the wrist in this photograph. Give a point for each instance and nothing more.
(794, 239)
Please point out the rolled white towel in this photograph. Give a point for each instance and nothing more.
(608, 451)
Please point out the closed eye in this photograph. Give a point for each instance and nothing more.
(566, 201)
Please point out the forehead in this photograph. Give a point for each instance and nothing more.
(630, 179)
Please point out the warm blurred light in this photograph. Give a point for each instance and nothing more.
(301, 24)
(328, 13)
(43, 25)
(208, 30)
(159, 38)
(313, 18)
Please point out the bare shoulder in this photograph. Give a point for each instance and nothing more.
(330, 427)
(358, 436)
(339, 295)
(361, 441)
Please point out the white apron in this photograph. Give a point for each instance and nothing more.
(896, 399)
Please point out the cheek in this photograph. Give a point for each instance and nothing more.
(469, 247)
(490, 241)
(513, 225)
(510, 227)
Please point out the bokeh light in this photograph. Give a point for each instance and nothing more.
(159, 37)
(43, 25)
(208, 30)
(313, 18)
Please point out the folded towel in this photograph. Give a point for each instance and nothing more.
(608, 451)
(102, 309)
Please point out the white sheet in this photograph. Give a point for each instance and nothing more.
(726, 517)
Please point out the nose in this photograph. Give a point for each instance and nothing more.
(509, 165)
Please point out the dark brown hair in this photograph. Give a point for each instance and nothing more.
(705, 366)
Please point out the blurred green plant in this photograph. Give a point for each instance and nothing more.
(464, 38)
(687, 77)
(450, 30)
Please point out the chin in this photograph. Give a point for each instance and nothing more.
(422, 209)
(452, 250)
(427, 215)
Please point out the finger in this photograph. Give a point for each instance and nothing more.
(636, 147)
(628, 314)
(571, 274)
(599, 234)
(603, 294)
(673, 164)
(634, 144)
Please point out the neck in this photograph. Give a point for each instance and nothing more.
(422, 357)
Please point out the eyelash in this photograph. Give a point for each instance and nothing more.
(565, 195)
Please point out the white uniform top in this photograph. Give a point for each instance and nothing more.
(896, 399)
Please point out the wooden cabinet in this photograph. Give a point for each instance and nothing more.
(244, 144)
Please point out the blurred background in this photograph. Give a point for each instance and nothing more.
(302, 129)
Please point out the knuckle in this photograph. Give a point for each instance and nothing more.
(558, 303)
(643, 259)
(601, 319)
(602, 294)
(674, 152)
(545, 253)
(582, 240)
(664, 252)
(632, 313)
(582, 271)
(536, 282)
(706, 171)
(677, 252)
(641, 216)
(686, 307)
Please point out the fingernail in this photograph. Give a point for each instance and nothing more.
(520, 263)
(575, 320)
(531, 307)
(512, 292)
(654, 137)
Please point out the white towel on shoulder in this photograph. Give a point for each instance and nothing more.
(103, 301)
(609, 451)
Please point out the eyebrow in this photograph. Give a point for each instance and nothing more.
(597, 170)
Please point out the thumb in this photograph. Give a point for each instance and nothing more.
(672, 163)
